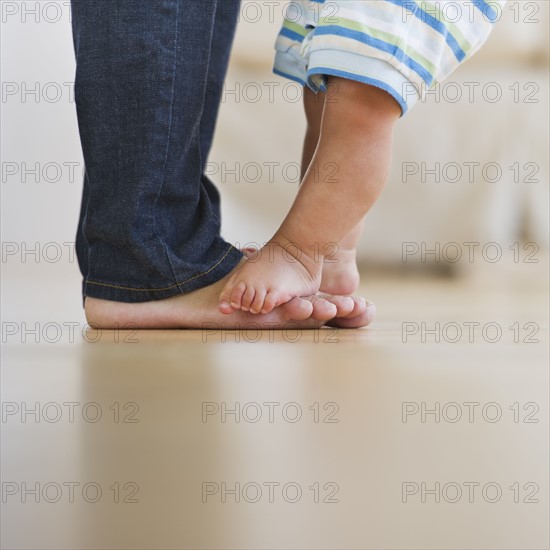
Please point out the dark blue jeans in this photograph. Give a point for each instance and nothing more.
(148, 84)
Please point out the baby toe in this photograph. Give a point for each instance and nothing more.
(258, 302)
(271, 302)
(248, 298)
(237, 295)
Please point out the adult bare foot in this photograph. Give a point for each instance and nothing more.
(199, 308)
(362, 315)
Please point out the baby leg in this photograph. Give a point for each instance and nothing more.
(340, 274)
(346, 175)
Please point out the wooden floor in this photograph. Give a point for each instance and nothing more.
(427, 430)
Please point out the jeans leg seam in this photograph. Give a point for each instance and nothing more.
(169, 141)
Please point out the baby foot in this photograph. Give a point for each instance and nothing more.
(340, 273)
(270, 278)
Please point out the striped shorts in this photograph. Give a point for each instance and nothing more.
(401, 46)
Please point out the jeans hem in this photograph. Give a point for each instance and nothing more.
(121, 293)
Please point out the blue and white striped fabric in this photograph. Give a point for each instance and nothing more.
(402, 46)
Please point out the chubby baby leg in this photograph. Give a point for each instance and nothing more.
(344, 179)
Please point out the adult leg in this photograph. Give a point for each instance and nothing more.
(140, 115)
(222, 40)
